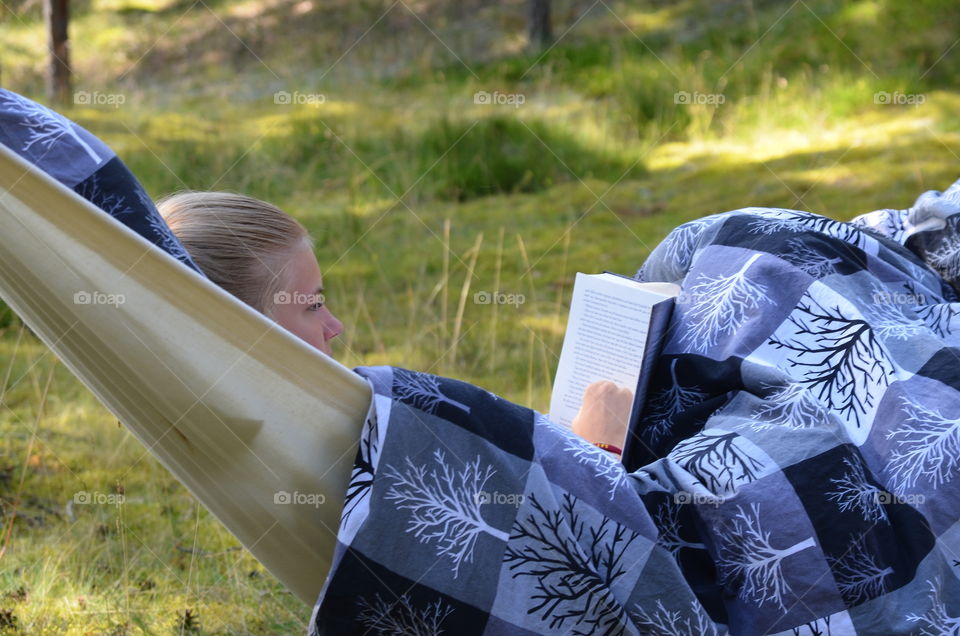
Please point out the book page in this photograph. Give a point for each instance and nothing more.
(605, 339)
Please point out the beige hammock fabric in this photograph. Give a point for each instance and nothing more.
(242, 412)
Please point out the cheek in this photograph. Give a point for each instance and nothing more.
(297, 323)
(310, 329)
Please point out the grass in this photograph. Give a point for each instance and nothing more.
(420, 198)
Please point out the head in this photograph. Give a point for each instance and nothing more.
(258, 253)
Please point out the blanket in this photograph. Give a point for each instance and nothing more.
(799, 457)
(82, 162)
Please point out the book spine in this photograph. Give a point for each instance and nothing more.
(656, 335)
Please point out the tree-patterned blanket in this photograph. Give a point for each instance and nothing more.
(799, 473)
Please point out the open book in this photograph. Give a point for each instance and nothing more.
(615, 330)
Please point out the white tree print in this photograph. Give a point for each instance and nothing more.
(575, 565)
(889, 320)
(401, 617)
(946, 257)
(718, 459)
(770, 224)
(445, 505)
(747, 559)
(667, 520)
(721, 305)
(423, 390)
(45, 127)
(792, 405)
(168, 241)
(663, 622)
(935, 621)
(665, 403)
(813, 263)
(927, 448)
(780, 220)
(680, 244)
(857, 574)
(854, 492)
(921, 274)
(843, 362)
(601, 461)
(539, 419)
(112, 203)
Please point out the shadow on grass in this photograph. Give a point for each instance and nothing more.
(447, 160)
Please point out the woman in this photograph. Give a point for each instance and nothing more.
(264, 257)
(258, 253)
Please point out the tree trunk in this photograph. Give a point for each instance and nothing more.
(541, 31)
(56, 17)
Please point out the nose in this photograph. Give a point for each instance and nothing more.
(332, 326)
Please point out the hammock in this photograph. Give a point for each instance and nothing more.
(259, 426)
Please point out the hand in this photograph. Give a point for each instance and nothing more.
(604, 413)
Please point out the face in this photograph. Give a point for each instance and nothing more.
(300, 307)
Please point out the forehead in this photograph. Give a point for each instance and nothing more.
(304, 271)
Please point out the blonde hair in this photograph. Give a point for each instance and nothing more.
(242, 244)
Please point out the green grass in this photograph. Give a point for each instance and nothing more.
(408, 185)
